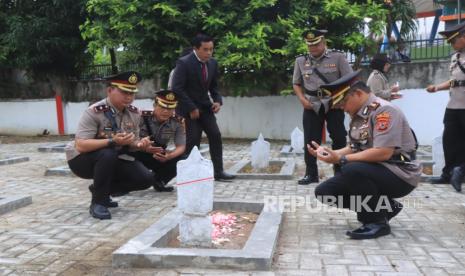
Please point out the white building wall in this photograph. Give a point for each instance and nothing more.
(240, 117)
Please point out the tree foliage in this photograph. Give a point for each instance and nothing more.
(42, 36)
(256, 40)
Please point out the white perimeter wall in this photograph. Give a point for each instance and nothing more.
(240, 117)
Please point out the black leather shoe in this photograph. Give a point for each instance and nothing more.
(396, 208)
(108, 203)
(308, 179)
(440, 180)
(159, 186)
(370, 231)
(99, 211)
(224, 176)
(458, 173)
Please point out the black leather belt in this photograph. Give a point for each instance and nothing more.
(456, 83)
(315, 93)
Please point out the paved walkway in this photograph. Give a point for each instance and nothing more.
(56, 235)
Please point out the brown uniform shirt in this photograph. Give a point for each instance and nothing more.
(94, 124)
(171, 130)
(379, 124)
(332, 65)
(378, 84)
(457, 94)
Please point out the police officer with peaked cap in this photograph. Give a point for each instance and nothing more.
(453, 137)
(318, 67)
(108, 130)
(163, 126)
(377, 166)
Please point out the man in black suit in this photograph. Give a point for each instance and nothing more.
(194, 82)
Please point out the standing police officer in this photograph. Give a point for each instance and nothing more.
(107, 131)
(377, 166)
(453, 137)
(162, 125)
(318, 67)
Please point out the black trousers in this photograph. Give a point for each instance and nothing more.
(313, 124)
(110, 174)
(164, 171)
(361, 181)
(207, 123)
(453, 139)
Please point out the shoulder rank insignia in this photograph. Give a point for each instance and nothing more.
(180, 120)
(133, 109)
(101, 108)
(374, 105)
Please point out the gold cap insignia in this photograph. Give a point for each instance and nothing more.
(310, 36)
(132, 79)
(170, 96)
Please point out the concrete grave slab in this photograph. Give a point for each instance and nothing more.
(148, 249)
(59, 171)
(287, 170)
(287, 150)
(7, 160)
(13, 202)
(53, 148)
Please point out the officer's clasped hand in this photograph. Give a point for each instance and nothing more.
(123, 138)
(323, 153)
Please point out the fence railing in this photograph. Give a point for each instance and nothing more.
(412, 51)
(406, 51)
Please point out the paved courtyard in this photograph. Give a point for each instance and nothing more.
(56, 235)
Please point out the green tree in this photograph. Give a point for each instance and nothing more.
(43, 36)
(256, 40)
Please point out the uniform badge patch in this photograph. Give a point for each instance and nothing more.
(383, 121)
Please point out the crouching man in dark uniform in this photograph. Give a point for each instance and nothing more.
(107, 131)
(378, 165)
(162, 125)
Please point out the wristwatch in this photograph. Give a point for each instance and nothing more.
(111, 143)
(343, 160)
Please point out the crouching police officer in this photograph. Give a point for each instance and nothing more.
(378, 165)
(318, 67)
(107, 131)
(454, 118)
(162, 125)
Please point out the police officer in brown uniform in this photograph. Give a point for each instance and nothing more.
(162, 126)
(453, 138)
(107, 131)
(318, 67)
(377, 166)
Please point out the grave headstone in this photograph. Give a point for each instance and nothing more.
(195, 184)
(260, 153)
(297, 141)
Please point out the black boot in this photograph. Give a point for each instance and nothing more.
(370, 231)
(308, 179)
(458, 173)
(109, 203)
(99, 211)
(159, 186)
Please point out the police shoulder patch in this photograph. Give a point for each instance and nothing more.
(383, 120)
(147, 113)
(133, 109)
(101, 108)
